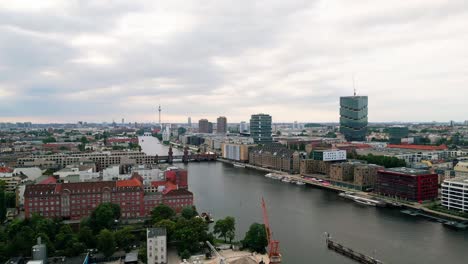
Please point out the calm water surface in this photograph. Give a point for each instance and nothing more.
(299, 216)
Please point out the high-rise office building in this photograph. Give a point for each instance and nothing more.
(203, 125)
(260, 128)
(189, 122)
(221, 125)
(353, 117)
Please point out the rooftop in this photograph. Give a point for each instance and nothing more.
(155, 232)
(418, 147)
(463, 180)
(407, 171)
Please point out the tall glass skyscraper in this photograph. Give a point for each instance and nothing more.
(353, 117)
(260, 128)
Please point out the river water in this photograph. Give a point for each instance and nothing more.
(299, 216)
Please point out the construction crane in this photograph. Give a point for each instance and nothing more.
(273, 245)
(222, 260)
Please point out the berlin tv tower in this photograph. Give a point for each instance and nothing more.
(159, 109)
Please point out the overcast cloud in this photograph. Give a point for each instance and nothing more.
(64, 61)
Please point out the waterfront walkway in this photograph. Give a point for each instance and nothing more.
(389, 200)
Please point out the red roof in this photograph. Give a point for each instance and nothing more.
(5, 170)
(128, 183)
(158, 183)
(169, 187)
(50, 180)
(178, 192)
(418, 147)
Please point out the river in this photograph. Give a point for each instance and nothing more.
(299, 216)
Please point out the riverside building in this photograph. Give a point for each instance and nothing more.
(455, 194)
(406, 183)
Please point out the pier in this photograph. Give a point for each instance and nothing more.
(350, 253)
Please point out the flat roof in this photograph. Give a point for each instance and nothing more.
(155, 232)
(463, 180)
(408, 171)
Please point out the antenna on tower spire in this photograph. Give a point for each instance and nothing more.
(354, 87)
(159, 109)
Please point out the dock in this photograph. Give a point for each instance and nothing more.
(445, 222)
(350, 253)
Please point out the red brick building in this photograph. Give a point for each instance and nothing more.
(77, 200)
(407, 183)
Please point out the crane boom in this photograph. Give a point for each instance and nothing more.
(222, 260)
(273, 245)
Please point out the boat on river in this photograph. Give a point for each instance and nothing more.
(286, 179)
(300, 183)
(238, 165)
(274, 176)
(362, 200)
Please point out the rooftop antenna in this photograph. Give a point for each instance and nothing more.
(354, 87)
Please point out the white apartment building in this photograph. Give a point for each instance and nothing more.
(156, 245)
(455, 194)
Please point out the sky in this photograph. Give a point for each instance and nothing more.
(98, 61)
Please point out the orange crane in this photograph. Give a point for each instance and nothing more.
(273, 245)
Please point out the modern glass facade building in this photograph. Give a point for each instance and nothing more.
(353, 117)
(260, 128)
(396, 133)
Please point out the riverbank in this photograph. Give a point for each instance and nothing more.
(403, 204)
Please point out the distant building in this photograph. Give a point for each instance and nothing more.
(221, 125)
(407, 183)
(243, 127)
(237, 152)
(260, 128)
(189, 122)
(204, 126)
(156, 245)
(397, 133)
(461, 169)
(275, 156)
(329, 155)
(455, 193)
(353, 117)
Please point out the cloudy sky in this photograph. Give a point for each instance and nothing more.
(101, 60)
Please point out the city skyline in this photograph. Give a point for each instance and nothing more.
(292, 60)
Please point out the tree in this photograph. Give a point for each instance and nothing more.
(189, 212)
(85, 235)
(142, 254)
(2, 201)
(190, 233)
(255, 239)
(49, 140)
(169, 225)
(124, 238)
(106, 242)
(104, 217)
(162, 212)
(225, 228)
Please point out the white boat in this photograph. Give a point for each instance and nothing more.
(364, 202)
(238, 165)
(300, 183)
(286, 179)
